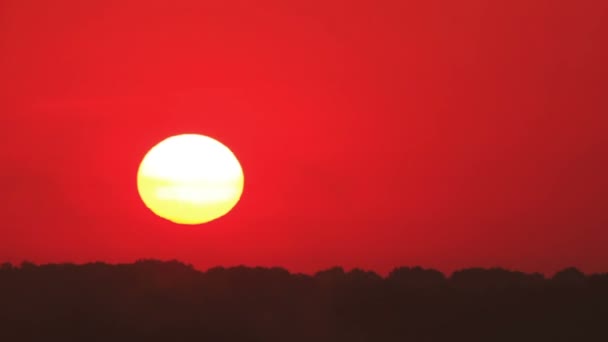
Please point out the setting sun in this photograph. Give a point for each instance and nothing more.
(190, 179)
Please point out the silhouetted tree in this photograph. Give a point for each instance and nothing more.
(570, 277)
(416, 278)
(494, 279)
(28, 265)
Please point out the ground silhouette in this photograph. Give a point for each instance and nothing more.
(153, 300)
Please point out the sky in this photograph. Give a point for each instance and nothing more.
(372, 134)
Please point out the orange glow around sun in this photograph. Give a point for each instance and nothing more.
(190, 179)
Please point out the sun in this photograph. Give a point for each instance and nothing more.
(190, 179)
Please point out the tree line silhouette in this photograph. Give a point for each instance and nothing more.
(153, 300)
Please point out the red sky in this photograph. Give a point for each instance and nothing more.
(372, 134)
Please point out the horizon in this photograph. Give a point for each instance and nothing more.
(386, 275)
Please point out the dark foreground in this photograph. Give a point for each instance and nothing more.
(169, 301)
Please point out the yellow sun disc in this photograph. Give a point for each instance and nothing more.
(190, 179)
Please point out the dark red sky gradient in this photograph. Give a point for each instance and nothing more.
(446, 134)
